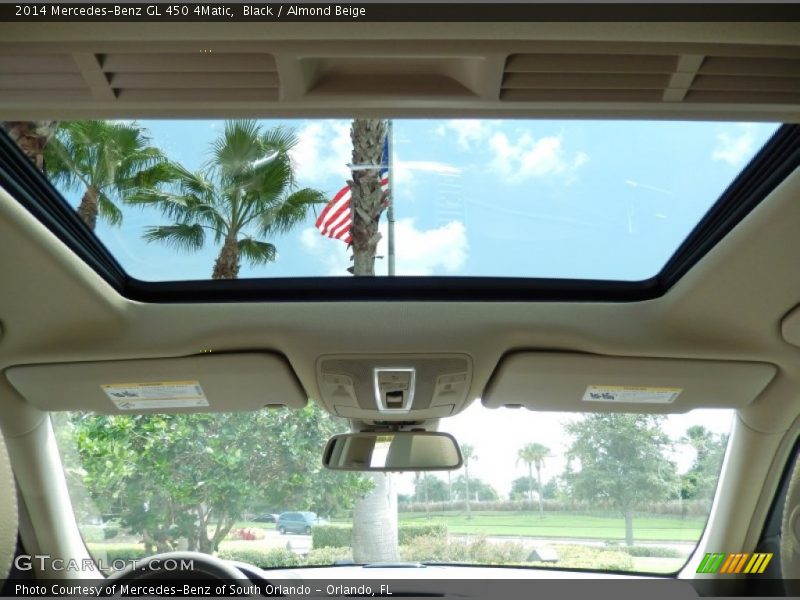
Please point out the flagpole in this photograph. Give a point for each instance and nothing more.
(390, 209)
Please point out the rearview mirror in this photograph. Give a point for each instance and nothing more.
(394, 451)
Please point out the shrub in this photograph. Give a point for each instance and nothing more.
(406, 532)
(265, 558)
(481, 551)
(110, 532)
(331, 536)
(653, 552)
(112, 552)
(339, 536)
(92, 533)
(326, 556)
(476, 551)
(590, 557)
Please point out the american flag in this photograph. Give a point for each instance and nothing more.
(335, 219)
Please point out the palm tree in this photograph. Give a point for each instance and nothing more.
(449, 487)
(32, 137)
(367, 203)
(468, 453)
(368, 199)
(533, 455)
(108, 161)
(245, 193)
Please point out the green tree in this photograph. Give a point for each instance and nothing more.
(108, 162)
(478, 489)
(430, 488)
(533, 455)
(700, 481)
(620, 462)
(193, 475)
(245, 193)
(521, 486)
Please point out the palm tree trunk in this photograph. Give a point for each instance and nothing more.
(31, 137)
(449, 488)
(539, 482)
(375, 522)
(227, 263)
(87, 209)
(530, 486)
(466, 486)
(368, 199)
(375, 516)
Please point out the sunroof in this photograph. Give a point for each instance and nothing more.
(593, 200)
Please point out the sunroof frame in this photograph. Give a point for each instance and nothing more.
(773, 163)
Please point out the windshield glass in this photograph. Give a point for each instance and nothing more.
(600, 200)
(607, 492)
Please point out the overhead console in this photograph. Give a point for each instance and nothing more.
(388, 387)
(552, 381)
(202, 383)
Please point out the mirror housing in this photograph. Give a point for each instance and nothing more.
(392, 451)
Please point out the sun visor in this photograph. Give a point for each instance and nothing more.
(204, 383)
(790, 327)
(586, 383)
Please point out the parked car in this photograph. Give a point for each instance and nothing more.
(266, 518)
(298, 522)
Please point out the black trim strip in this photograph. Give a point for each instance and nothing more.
(774, 163)
(20, 178)
(777, 159)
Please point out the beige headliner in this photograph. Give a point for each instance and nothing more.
(655, 70)
(729, 306)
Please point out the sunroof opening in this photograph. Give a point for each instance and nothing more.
(192, 200)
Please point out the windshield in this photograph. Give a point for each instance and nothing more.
(571, 199)
(607, 492)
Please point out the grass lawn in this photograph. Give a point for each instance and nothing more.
(253, 524)
(564, 525)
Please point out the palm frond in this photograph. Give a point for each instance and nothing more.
(116, 158)
(109, 211)
(182, 236)
(291, 210)
(236, 149)
(257, 252)
(60, 156)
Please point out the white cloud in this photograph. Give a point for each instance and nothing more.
(468, 131)
(581, 158)
(518, 159)
(323, 148)
(332, 254)
(440, 251)
(404, 169)
(529, 157)
(734, 148)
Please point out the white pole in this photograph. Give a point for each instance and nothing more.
(390, 210)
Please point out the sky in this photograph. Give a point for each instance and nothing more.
(535, 198)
